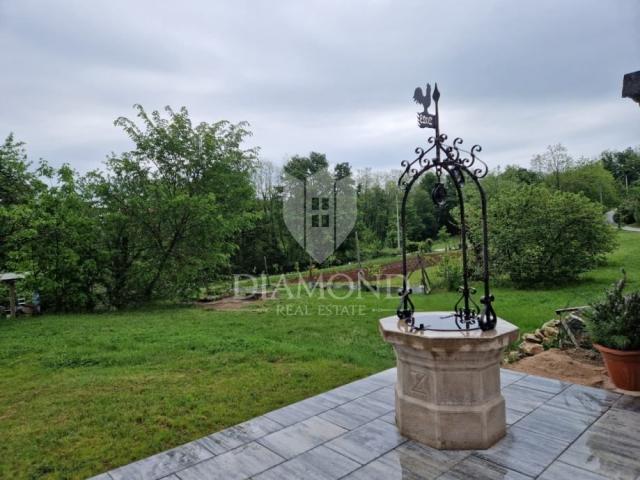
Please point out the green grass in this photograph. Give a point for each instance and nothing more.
(80, 394)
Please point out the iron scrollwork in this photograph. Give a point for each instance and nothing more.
(460, 165)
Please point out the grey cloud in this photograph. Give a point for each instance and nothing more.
(330, 76)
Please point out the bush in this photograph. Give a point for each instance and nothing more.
(614, 321)
(426, 246)
(450, 271)
(629, 209)
(413, 247)
(537, 235)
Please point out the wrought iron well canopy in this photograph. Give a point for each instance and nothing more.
(460, 165)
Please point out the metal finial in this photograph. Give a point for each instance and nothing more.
(436, 93)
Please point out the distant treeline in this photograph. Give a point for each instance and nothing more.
(190, 205)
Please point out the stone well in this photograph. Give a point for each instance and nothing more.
(448, 389)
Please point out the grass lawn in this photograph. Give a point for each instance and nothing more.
(81, 394)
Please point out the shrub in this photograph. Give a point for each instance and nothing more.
(539, 235)
(629, 209)
(614, 321)
(450, 272)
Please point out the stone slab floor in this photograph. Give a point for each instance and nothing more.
(556, 431)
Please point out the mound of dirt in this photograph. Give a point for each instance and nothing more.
(572, 365)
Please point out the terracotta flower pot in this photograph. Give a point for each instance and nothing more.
(623, 367)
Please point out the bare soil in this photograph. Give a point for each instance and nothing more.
(392, 268)
(575, 365)
(238, 303)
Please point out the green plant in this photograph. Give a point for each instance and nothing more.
(614, 321)
(426, 246)
(542, 236)
(451, 273)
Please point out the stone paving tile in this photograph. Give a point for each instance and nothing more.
(240, 434)
(320, 403)
(302, 410)
(507, 377)
(585, 399)
(549, 385)
(389, 417)
(238, 464)
(321, 463)
(409, 461)
(514, 416)
(524, 451)
(367, 442)
(303, 436)
(385, 378)
(162, 464)
(476, 468)
(562, 471)
(611, 447)
(557, 422)
(627, 402)
(357, 412)
(524, 399)
(385, 395)
(351, 391)
(289, 415)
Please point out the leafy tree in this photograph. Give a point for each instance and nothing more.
(342, 170)
(59, 243)
(172, 207)
(517, 174)
(629, 209)
(302, 167)
(624, 165)
(592, 180)
(18, 184)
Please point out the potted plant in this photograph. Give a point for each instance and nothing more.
(614, 326)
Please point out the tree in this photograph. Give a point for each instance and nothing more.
(590, 178)
(302, 167)
(629, 208)
(342, 170)
(624, 165)
(517, 174)
(539, 235)
(18, 185)
(554, 161)
(59, 243)
(172, 207)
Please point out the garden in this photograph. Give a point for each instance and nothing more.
(83, 393)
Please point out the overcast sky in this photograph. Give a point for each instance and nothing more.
(330, 76)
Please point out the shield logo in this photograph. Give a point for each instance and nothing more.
(319, 211)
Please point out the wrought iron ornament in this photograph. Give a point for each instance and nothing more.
(460, 165)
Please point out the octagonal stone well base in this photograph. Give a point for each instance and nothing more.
(448, 389)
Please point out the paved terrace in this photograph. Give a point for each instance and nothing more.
(557, 431)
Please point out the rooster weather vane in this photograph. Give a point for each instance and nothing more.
(425, 119)
(460, 165)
